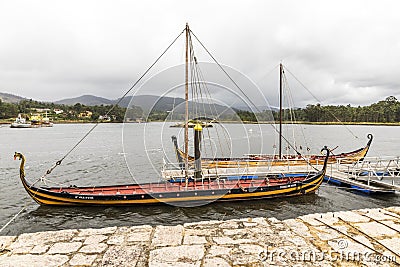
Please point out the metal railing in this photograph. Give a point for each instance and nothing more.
(242, 168)
(385, 170)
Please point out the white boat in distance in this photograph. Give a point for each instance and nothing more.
(20, 123)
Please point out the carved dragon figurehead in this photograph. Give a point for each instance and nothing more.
(327, 150)
(21, 167)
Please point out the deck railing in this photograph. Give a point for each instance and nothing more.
(242, 168)
(382, 170)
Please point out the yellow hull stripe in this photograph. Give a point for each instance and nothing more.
(233, 163)
(55, 200)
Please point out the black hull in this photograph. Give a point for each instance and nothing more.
(47, 196)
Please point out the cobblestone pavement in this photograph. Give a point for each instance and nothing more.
(368, 237)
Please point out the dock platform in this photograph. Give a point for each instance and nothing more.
(342, 179)
(371, 176)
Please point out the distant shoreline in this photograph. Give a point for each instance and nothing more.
(9, 121)
(334, 123)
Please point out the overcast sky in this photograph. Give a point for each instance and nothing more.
(345, 52)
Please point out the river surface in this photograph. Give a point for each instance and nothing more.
(128, 153)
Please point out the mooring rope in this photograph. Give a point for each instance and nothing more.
(13, 218)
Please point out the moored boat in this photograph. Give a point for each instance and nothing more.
(190, 125)
(203, 121)
(260, 160)
(36, 120)
(20, 122)
(191, 191)
(46, 122)
(279, 159)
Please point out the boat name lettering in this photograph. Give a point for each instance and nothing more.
(83, 197)
(287, 186)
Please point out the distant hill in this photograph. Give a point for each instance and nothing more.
(152, 102)
(88, 100)
(146, 102)
(10, 98)
(157, 103)
(258, 109)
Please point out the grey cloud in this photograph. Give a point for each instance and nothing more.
(338, 49)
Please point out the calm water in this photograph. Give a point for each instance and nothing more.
(117, 153)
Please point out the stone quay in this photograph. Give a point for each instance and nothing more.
(367, 237)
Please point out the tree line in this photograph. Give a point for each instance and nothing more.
(67, 112)
(384, 111)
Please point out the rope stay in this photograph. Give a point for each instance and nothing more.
(290, 103)
(58, 163)
(249, 100)
(330, 112)
(202, 97)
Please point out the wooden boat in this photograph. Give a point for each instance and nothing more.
(261, 160)
(192, 191)
(36, 120)
(274, 160)
(46, 121)
(193, 188)
(191, 125)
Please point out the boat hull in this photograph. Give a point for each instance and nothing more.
(171, 193)
(271, 160)
(20, 125)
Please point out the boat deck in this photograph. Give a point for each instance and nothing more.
(165, 187)
(257, 171)
(371, 176)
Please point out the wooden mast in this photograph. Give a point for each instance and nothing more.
(280, 110)
(187, 103)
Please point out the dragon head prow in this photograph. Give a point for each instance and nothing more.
(21, 167)
(18, 155)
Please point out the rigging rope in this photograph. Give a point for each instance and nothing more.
(290, 103)
(198, 82)
(248, 99)
(112, 108)
(214, 116)
(347, 128)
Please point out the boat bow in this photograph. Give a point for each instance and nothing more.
(21, 166)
